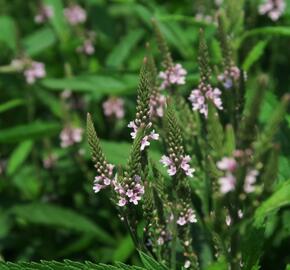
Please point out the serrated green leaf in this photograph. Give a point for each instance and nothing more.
(150, 263)
(18, 156)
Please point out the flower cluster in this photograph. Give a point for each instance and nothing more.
(174, 163)
(273, 8)
(174, 75)
(34, 70)
(228, 182)
(230, 76)
(104, 177)
(44, 14)
(75, 15)
(205, 92)
(147, 138)
(130, 192)
(157, 105)
(186, 217)
(114, 107)
(70, 135)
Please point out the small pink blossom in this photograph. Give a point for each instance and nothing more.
(70, 136)
(199, 97)
(129, 193)
(172, 166)
(187, 217)
(273, 8)
(175, 75)
(114, 107)
(250, 180)
(227, 183)
(230, 76)
(227, 164)
(34, 70)
(44, 14)
(87, 47)
(75, 14)
(157, 105)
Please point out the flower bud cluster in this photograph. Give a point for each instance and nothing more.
(204, 92)
(228, 182)
(70, 135)
(230, 76)
(174, 75)
(130, 190)
(104, 177)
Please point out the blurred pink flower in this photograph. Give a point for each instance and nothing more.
(49, 161)
(174, 75)
(75, 14)
(87, 47)
(227, 183)
(70, 136)
(229, 77)
(44, 14)
(114, 107)
(273, 8)
(227, 164)
(250, 180)
(34, 70)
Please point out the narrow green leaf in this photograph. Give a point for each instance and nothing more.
(11, 104)
(18, 156)
(53, 215)
(34, 130)
(38, 41)
(279, 199)
(8, 33)
(254, 55)
(121, 51)
(124, 250)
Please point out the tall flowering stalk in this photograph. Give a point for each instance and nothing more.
(219, 168)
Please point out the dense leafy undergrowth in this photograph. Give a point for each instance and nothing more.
(61, 59)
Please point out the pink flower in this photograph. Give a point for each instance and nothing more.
(157, 105)
(230, 76)
(227, 164)
(175, 75)
(33, 71)
(181, 221)
(114, 107)
(199, 97)
(147, 138)
(44, 14)
(75, 14)
(172, 166)
(227, 183)
(70, 136)
(49, 161)
(273, 8)
(250, 180)
(87, 47)
(188, 217)
(135, 129)
(132, 192)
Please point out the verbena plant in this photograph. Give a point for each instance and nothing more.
(221, 165)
